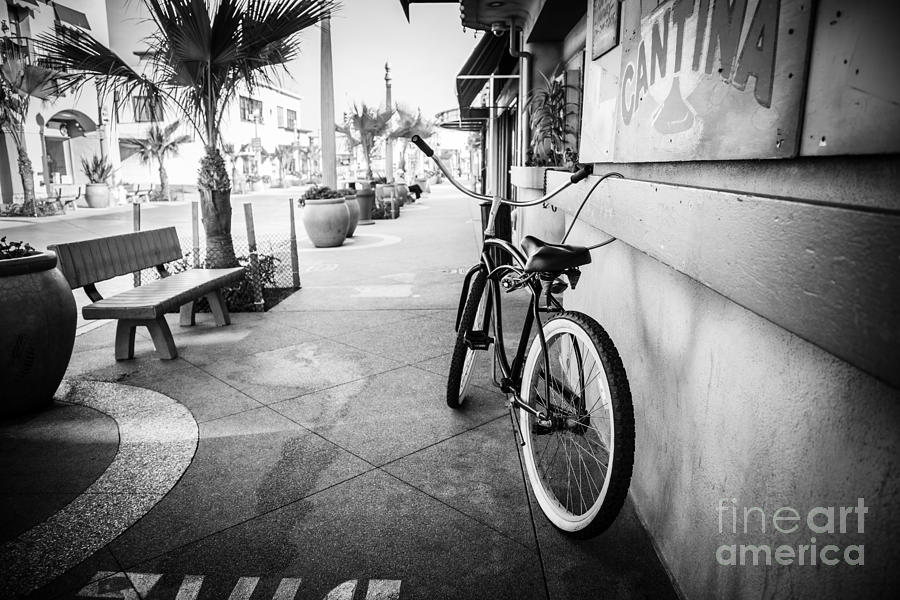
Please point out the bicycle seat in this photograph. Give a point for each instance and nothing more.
(544, 257)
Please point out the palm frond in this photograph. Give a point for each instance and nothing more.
(83, 58)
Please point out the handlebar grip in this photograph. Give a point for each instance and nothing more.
(423, 146)
(581, 173)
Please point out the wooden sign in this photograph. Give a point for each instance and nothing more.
(604, 27)
(712, 79)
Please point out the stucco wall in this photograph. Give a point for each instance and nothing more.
(729, 405)
(733, 410)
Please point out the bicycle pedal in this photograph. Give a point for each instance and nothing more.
(478, 340)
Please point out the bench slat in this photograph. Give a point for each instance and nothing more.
(90, 261)
(158, 297)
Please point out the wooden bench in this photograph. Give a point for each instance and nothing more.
(88, 262)
(69, 199)
(137, 195)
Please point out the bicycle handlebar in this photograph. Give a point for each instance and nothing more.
(582, 173)
(423, 146)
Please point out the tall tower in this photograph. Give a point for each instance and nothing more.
(388, 144)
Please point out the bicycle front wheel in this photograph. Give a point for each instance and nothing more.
(462, 363)
(579, 461)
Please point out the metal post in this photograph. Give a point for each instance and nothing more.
(493, 158)
(136, 219)
(195, 232)
(295, 257)
(258, 302)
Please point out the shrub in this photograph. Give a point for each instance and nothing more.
(15, 249)
(318, 192)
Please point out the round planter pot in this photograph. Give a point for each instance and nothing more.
(96, 195)
(37, 332)
(353, 208)
(402, 193)
(365, 197)
(383, 190)
(326, 221)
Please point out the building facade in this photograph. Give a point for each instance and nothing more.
(75, 126)
(261, 127)
(752, 290)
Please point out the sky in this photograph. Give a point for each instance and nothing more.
(425, 57)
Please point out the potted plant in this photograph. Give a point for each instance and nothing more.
(353, 208)
(326, 217)
(408, 125)
(552, 117)
(97, 170)
(362, 127)
(37, 327)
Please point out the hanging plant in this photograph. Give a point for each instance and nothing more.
(551, 117)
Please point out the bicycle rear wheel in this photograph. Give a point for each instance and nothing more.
(579, 464)
(462, 362)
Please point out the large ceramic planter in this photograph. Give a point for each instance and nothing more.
(37, 332)
(353, 208)
(365, 197)
(326, 221)
(402, 193)
(384, 190)
(96, 195)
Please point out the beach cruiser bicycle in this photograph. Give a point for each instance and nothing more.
(567, 390)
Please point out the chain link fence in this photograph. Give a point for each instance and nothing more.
(269, 275)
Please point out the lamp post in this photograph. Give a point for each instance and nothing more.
(388, 144)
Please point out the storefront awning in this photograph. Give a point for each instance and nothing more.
(405, 4)
(468, 119)
(70, 16)
(490, 57)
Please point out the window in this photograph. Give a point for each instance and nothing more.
(145, 110)
(56, 157)
(251, 108)
(291, 120)
(281, 117)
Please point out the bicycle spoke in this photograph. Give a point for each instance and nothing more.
(597, 460)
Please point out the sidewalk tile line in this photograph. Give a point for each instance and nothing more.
(162, 554)
(459, 511)
(429, 371)
(537, 540)
(329, 336)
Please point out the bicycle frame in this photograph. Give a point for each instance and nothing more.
(511, 373)
(510, 382)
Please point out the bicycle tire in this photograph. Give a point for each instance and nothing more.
(462, 362)
(578, 418)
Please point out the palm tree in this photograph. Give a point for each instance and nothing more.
(160, 144)
(285, 155)
(201, 52)
(19, 82)
(408, 125)
(362, 126)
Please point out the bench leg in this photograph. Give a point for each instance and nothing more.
(162, 338)
(187, 316)
(218, 307)
(125, 339)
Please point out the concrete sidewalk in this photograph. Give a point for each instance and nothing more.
(324, 460)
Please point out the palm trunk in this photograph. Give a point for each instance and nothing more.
(215, 208)
(26, 173)
(164, 182)
(402, 164)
